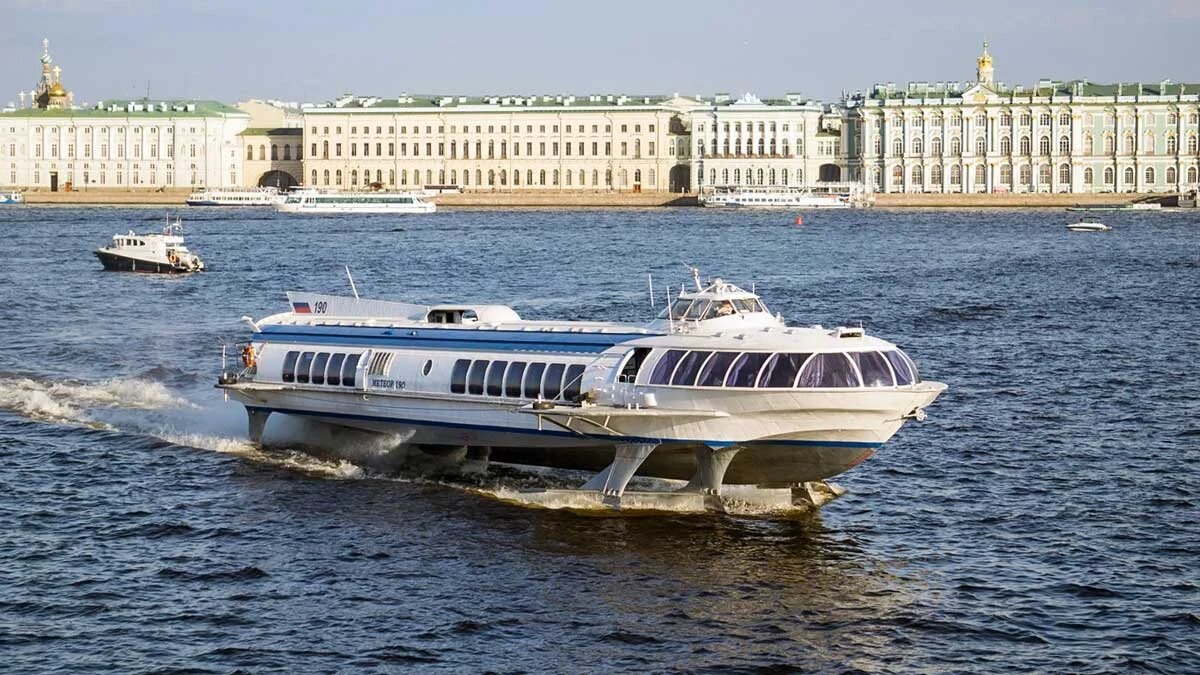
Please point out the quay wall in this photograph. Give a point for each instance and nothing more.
(522, 199)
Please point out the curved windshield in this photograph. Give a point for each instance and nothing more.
(874, 369)
(677, 309)
(829, 370)
(906, 371)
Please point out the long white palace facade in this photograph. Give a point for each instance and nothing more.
(975, 137)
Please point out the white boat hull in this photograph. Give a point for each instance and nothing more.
(425, 207)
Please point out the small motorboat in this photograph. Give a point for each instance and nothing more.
(1088, 226)
(159, 253)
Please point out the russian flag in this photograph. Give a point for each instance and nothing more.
(301, 308)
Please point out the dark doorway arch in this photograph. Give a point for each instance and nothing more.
(829, 173)
(278, 179)
(681, 178)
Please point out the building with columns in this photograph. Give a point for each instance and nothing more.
(127, 144)
(750, 141)
(500, 143)
(985, 136)
(272, 144)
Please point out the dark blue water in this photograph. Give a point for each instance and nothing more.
(1044, 519)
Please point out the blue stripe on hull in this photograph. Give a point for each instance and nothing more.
(461, 339)
(566, 434)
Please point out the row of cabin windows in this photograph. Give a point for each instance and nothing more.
(516, 379)
(320, 368)
(783, 371)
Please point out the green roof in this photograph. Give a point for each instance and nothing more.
(280, 131)
(124, 108)
(504, 101)
(1044, 88)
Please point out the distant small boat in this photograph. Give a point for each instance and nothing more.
(1086, 226)
(1132, 206)
(11, 198)
(154, 253)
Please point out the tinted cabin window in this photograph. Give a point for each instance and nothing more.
(665, 366)
(828, 370)
(289, 366)
(512, 380)
(318, 368)
(906, 370)
(553, 383)
(303, 366)
(874, 369)
(495, 378)
(533, 380)
(713, 372)
(350, 369)
(475, 377)
(334, 371)
(633, 364)
(781, 370)
(572, 382)
(744, 370)
(685, 374)
(458, 378)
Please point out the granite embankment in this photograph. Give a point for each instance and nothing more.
(616, 199)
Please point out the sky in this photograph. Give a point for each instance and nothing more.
(315, 51)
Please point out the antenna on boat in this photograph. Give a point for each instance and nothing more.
(670, 312)
(695, 275)
(650, 281)
(353, 288)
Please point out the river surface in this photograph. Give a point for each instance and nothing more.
(1043, 519)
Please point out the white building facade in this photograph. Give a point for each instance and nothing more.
(1076, 136)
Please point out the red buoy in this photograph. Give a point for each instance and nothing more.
(799, 220)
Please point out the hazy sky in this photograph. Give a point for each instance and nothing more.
(313, 51)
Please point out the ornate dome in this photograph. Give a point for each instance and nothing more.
(57, 89)
(985, 59)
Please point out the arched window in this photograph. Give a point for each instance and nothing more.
(466, 177)
(1088, 176)
(392, 177)
(725, 176)
(1026, 175)
(878, 176)
(737, 176)
(772, 179)
(287, 152)
(1005, 174)
(637, 176)
(1089, 143)
(479, 177)
(760, 177)
(761, 145)
(262, 152)
(772, 145)
(1025, 146)
(542, 177)
(1172, 144)
(737, 147)
(517, 177)
(877, 146)
(1191, 175)
(1192, 144)
(1110, 144)
(492, 177)
(326, 176)
(1127, 144)
(935, 174)
(1172, 119)
(354, 177)
(897, 146)
(250, 152)
(503, 177)
(325, 149)
(1005, 145)
(980, 174)
(566, 176)
(274, 152)
(596, 178)
(337, 177)
(1044, 145)
(554, 177)
(917, 175)
(918, 146)
(935, 146)
(1109, 175)
(955, 174)
(1044, 174)
(784, 174)
(583, 178)
(712, 177)
(314, 177)
(898, 175)
(800, 176)
(1129, 176)
(624, 178)
(529, 176)
(955, 146)
(784, 146)
(1064, 145)
(1170, 175)
(981, 146)
(453, 177)
(1148, 144)
(1149, 175)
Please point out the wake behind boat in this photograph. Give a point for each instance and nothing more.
(1088, 226)
(160, 253)
(316, 201)
(715, 391)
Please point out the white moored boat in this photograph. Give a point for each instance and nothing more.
(771, 197)
(716, 391)
(315, 201)
(263, 196)
(12, 197)
(1088, 226)
(161, 253)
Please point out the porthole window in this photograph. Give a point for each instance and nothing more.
(427, 367)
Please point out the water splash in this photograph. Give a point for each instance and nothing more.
(72, 402)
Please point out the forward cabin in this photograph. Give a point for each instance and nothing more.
(715, 390)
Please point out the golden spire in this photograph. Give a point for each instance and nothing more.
(983, 73)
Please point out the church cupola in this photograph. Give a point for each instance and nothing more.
(983, 71)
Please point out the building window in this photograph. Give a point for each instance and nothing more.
(1109, 175)
(337, 177)
(1172, 145)
(980, 174)
(1044, 174)
(1110, 144)
(274, 152)
(1026, 175)
(1129, 178)
(955, 146)
(917, 176)
(1088, 176)
(897, 147)
(1044, 145)
(981, 146)
(1064, 145)
(1149, 175)
(1045, 119)
(1064, 174)
(250, 153)
(935, 174)
(918, 146)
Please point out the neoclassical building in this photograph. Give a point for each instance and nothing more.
(272, 144)
(1073, 136)
(750, 141)
(499, 143)
(138, 144)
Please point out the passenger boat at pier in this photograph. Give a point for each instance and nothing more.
(160, 253)
(316, 201)
(13, 197)
(839, 196)
(716, 391)
(263, 196)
